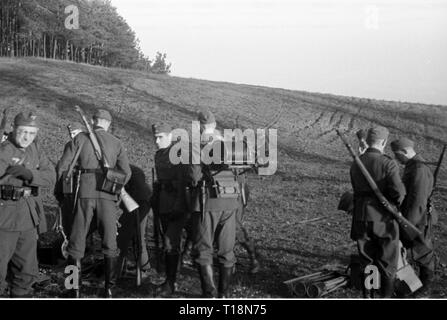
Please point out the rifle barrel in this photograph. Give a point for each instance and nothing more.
(411, 231)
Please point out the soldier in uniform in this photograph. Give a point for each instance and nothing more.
(418, 181)
(24, 171)
(374, 229)
(170, 203)
(217, 220)
(141, 192)
(346, 202)
(91, 200)
(361, 136)
(66, 201)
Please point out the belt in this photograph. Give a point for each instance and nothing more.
(90, 171)
(8, 192)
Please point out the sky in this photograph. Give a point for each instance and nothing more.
(389, 49)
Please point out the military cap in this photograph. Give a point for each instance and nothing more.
(361, 134)
(103, 114)
(206, 117)
(377, 133)
(161, 128)
(346, 202)
(401, 144)
(29, 120)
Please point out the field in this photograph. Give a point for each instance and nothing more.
(312, 171)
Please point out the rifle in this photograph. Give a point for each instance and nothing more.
(157, 230)
(128, 202)
(407, 228)
(138, 247)
(435, 178)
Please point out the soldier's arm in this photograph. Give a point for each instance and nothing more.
(67, 156)
(418, 191)
(395, 188)
(122, 162)
(45, 175)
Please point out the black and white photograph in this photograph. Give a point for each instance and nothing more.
(212, 151)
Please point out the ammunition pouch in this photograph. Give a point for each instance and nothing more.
(113, 181)
(224, 185)
(8, 192)
(68, 183)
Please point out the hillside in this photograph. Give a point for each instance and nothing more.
(313, 165)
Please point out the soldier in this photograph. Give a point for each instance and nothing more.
(346, 202)
(24, 170)
(418, 181)
(141, 192)
(66, 201)
(361, 136)
(91, 200)
(217, 219)
(374, 229)
(170, 203)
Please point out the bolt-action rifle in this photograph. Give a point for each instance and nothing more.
(407, 228)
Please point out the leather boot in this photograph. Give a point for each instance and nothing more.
(387, 287)
(74, 293)
(251, 251)
(110, 275)
(168, 287)
(207, 281)
(426, 276)
(225, 274)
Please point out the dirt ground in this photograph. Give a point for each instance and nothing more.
(292, 215)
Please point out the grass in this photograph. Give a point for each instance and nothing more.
(313, 164)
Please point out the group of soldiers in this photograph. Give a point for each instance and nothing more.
(376, 232)
(207, 202)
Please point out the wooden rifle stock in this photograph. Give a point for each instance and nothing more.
(406, 226)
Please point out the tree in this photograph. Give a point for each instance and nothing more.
(160, 66)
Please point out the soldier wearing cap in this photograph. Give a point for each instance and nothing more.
(361, 136)
(215, 219)
(170, 205)
(24, 171)
(418, 181)
(374, 229)
(66, 200)
(346, 202)
(92, 202)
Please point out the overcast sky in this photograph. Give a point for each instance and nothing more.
(392, 50)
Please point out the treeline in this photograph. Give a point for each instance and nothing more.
(37, 28)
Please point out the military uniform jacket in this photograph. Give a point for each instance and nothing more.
(112, 150)
(418, 181)
(385, 173)
(25, 213)
(199, 172)
(171, 183)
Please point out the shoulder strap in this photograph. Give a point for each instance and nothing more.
(75, 159)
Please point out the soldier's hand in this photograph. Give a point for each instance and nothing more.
(20, 172)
